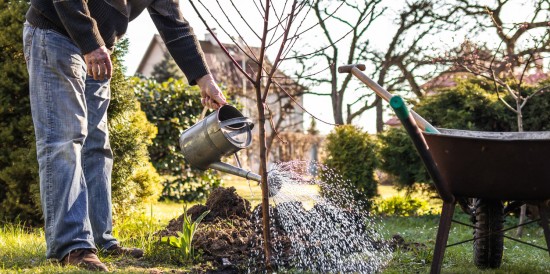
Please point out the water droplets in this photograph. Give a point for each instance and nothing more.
(316, 227)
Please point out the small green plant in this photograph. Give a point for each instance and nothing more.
(183, 242)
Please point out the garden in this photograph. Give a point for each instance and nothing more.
(410, 226)
(368, 203)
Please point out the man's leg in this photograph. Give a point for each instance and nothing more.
(98, 162)
(56, 75)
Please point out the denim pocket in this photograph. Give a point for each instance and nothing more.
(28, 33)
(64, 54)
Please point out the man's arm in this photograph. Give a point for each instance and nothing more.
(82, 29)
(179, 38)
(185, 49)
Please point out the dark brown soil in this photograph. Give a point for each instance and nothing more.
(226, 234)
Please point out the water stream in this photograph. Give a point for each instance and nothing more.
(318, 228)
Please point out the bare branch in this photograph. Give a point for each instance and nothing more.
(366, 107)
(273, 127)
(244, 20)
(537, 92)
(254, 59)
(299, 105)
(281, 48)
(221, 45)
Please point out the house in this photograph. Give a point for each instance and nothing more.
(283, 112)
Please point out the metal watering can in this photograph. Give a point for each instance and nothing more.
(222, 133)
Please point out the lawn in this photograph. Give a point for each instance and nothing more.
(22, 250)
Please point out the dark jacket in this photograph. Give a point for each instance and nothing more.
(95, 23)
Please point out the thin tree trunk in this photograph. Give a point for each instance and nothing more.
(264, 186)
(379, 115)
(335, 97)
(523, 211)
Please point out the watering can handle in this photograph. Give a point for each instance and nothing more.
(247, 128)
(237, 120)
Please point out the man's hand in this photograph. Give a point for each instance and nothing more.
(98, 63)
(211, 95)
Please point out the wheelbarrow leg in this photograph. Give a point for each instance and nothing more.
(544, 215)
(442, 236)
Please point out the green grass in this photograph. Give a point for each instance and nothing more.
(22, 250)
(517, 258)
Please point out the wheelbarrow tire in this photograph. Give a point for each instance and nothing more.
(489, 217)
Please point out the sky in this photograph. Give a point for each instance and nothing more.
(142, 29)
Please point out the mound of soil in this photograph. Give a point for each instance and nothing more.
(226, 234)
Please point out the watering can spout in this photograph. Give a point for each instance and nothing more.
(273, 182)
(233, 170)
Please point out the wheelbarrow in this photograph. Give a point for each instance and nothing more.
(489, 174)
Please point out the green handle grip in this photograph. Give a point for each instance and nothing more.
(398, 105)
(403, 113)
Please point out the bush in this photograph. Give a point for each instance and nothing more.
(398, 157)
(174, 106)
(471, 105)
(402, 206)
(134, 180)
(351, 153)
(19, 187)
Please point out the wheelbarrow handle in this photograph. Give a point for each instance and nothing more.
(403, 113)
(356, 70)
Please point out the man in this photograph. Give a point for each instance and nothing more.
(67, 45)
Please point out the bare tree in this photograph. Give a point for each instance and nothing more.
(280, 24)
(356, 17)
(518, 58)
(399, 65)
(520, 51)
(407, 59)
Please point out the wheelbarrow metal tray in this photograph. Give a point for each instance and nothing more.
(493, 165)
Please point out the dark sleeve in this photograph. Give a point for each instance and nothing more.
(179, 38)
(82, 28)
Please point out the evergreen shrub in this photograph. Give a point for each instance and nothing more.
(351, 154)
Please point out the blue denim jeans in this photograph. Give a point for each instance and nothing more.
(69, 111)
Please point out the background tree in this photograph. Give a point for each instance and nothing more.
(407, 60)
(517, 60)
(355, 17)
(18, 165)
(398, 64)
